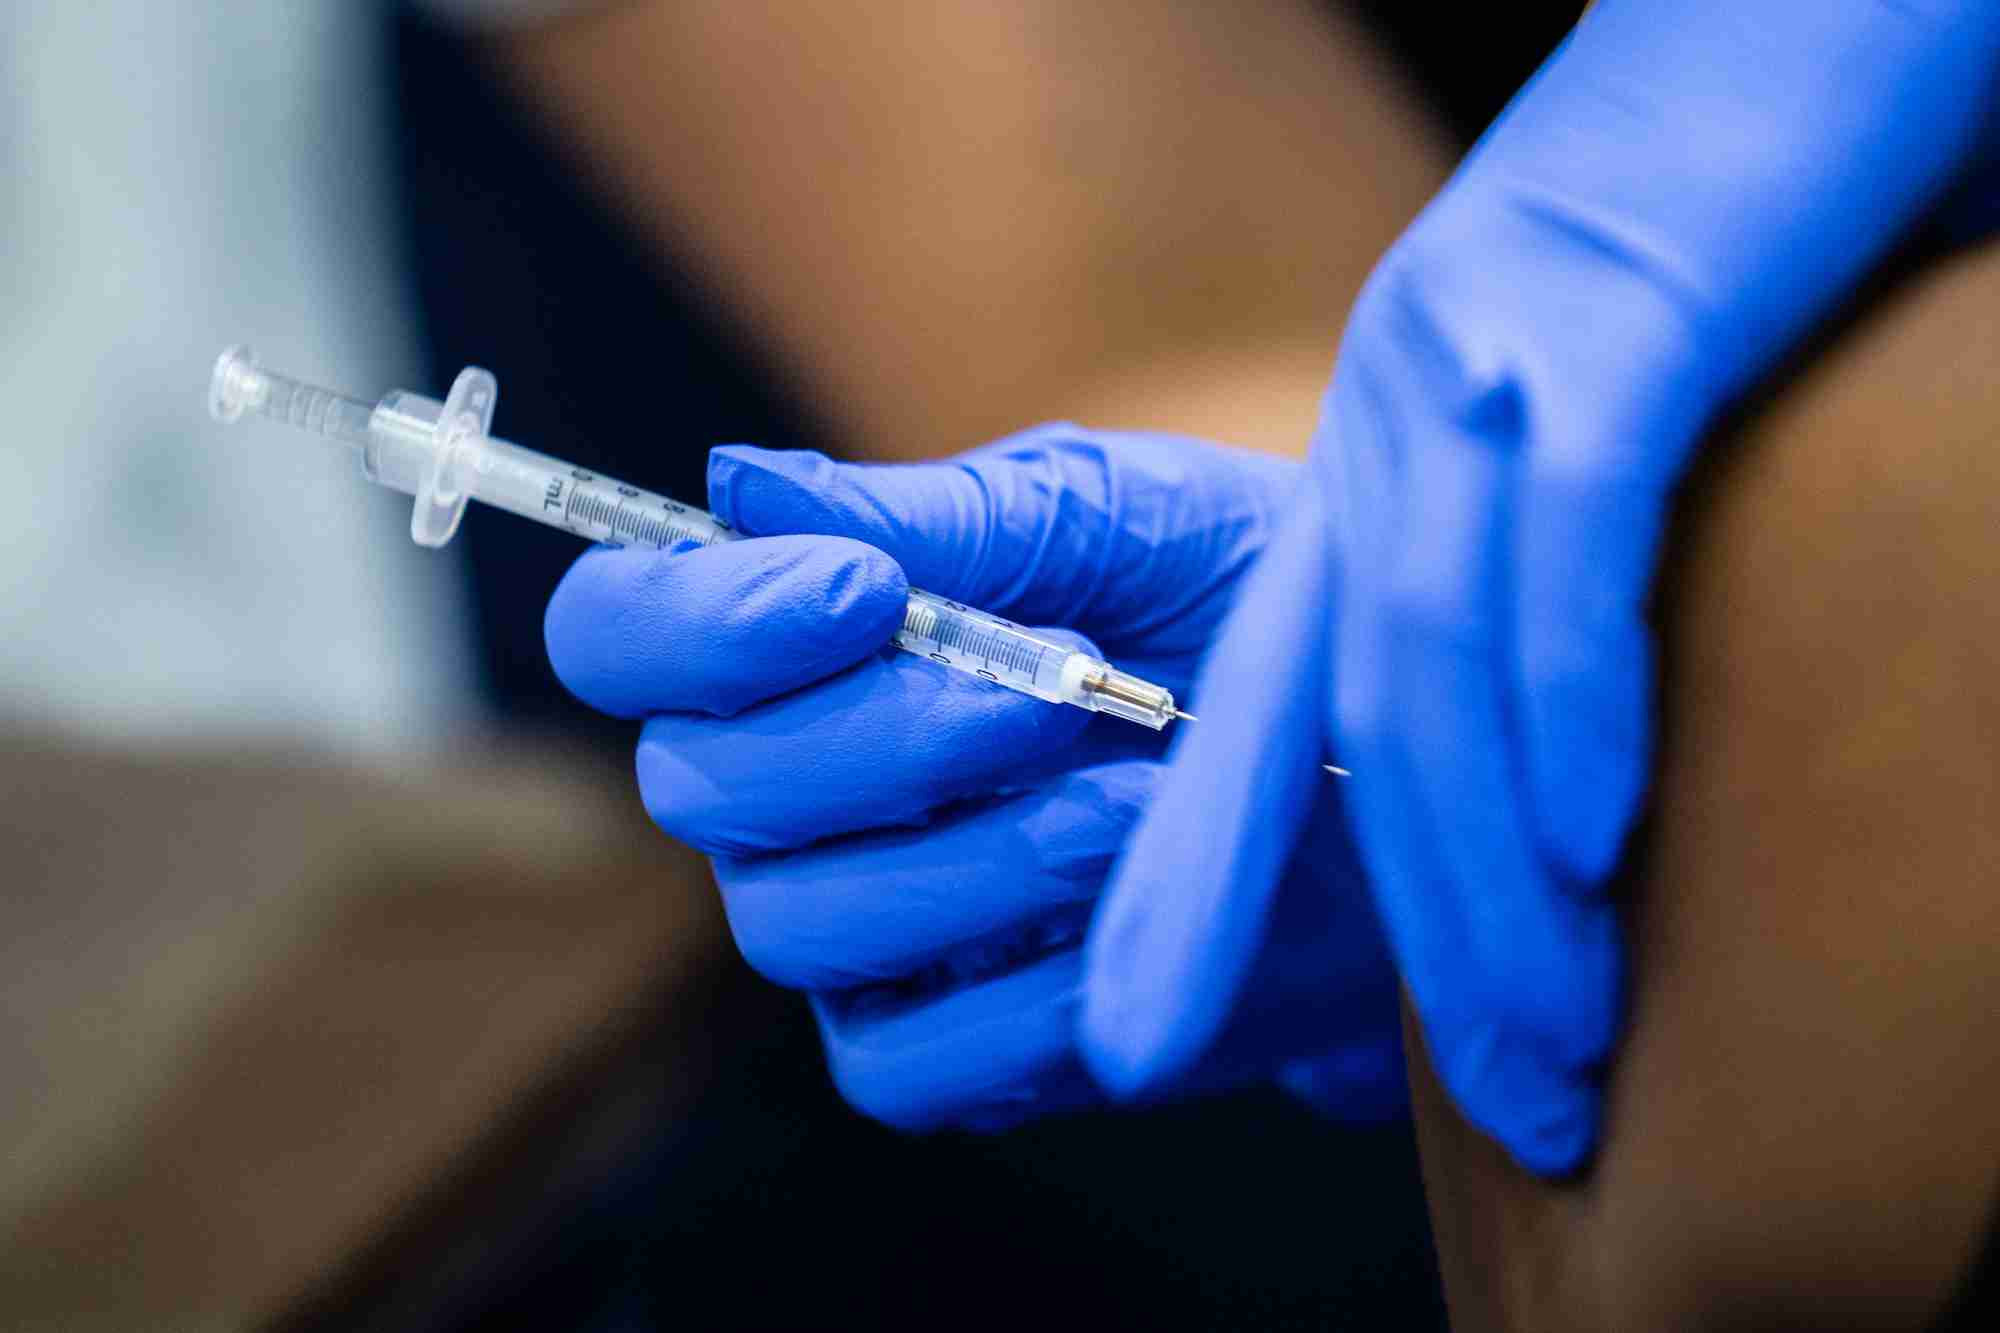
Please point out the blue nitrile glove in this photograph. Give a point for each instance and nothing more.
(1682, 193)
(918, 849)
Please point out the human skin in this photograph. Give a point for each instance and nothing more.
(1803, 1123)
(949, 220)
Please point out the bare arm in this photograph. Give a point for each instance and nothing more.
(1804, 1124)
(953, 219)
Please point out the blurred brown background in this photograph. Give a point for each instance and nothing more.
(261, 1005)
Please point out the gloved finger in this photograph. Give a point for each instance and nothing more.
(1322, 986)
(1361, 1081)
(980, 1035)
(717, 629)
(1000, 1051)
(950, 899)
(983, 1056)
(1517, 981)
(1134, 539)
(882, 744)
(988, 1047)
(1681, 194)
(1175, 940)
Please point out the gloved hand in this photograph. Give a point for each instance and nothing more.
(918, 849)
(1682, 193)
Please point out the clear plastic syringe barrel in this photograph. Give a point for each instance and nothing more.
(602, 509)
(954, 635)
(507, 476)
(403, 447)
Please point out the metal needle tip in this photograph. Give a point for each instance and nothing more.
(1338, 772)
(1185, 717)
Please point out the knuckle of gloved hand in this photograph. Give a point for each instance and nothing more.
(918, 1103)
(1118, 791)
(707, 827)
(762, 491)
(1446, 337)
(706, 811)
(817, 607)
(881, 1099)
(883, 1084)
(1076, 828)
(1563, 1008)
(1420, 336)
(764, 918)
(1044, 437)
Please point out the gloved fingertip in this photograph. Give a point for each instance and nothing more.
(1117, 1058)
(864, 589)
(1178, 934)
(1131, 1032)
(1557, 1143)
(1360, 1083)
(1547, 1118)
(757, 490)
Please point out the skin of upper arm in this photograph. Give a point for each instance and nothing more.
(1803, 1123)
(947, 220)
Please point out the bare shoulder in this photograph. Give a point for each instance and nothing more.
(1804, 1122)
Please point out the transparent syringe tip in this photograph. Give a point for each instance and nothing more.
(240, 385)
(1106, 689)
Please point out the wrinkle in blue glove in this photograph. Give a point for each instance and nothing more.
(1679, 196)
(1134, 540)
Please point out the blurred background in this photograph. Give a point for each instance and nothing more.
(347, 985)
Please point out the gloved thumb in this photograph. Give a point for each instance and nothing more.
(1176, 938)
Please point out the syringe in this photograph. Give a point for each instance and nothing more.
(442, 454)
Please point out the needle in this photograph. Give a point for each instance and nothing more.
(1337, 772)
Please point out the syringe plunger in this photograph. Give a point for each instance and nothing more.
(239, 384)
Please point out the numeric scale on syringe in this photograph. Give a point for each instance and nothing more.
(442, 454)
